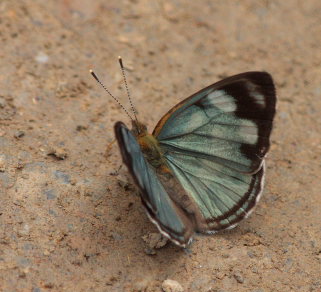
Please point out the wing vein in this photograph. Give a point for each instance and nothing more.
(195, 153)
(192, 185)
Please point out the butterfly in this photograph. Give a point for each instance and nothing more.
(202, 168)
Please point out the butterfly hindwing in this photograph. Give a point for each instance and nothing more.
(168, 217)
(215, 143)
(223, 196)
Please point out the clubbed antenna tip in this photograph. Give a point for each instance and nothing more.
(120, 60)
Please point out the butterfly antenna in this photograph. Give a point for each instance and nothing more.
(116, 99)
(126, 85)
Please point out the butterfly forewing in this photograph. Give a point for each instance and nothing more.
(215, 143)
(229, 121)
(168, 217)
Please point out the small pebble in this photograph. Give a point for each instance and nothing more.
(149, 251)
(20, 164)
(25, 230)
(2, 163)
(80, 128)
(58, 153)
(111, 281)
(239, 278)
(42, 58)
(123, 184)
(49, 285)
(172, 286)
(3, 102)
(220, 275)
(19, 134)
(155, 240)
(140, 285)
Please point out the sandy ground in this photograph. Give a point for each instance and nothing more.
(68, 223)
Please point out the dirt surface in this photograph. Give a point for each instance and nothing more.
(70, 222)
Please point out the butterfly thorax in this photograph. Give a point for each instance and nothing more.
(150, 147)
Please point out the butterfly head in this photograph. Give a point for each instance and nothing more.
(138, 128)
